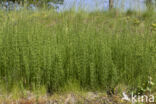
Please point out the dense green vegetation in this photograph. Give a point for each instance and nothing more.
(94, 51)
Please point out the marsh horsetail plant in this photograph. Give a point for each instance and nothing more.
(97, 50)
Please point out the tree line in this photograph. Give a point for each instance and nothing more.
(36, 1)
(149, 3)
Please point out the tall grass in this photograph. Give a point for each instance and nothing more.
(97, 50)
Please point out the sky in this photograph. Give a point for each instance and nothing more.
(103, 4)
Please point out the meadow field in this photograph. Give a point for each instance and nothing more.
(50, 52)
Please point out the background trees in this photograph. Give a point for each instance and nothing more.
(44, 1)
(149, 4)
(110, 4)
(36, 1)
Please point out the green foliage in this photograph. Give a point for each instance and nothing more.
(96, 50)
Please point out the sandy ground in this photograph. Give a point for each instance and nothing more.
(70, 98)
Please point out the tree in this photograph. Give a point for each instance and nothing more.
(110, 4)
(149, 4)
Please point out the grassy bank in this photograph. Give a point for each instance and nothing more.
(76, 50)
